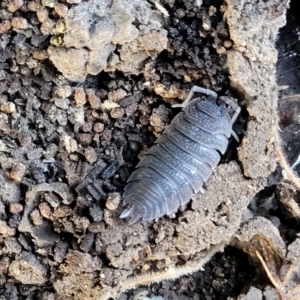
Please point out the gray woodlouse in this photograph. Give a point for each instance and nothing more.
(182, 159)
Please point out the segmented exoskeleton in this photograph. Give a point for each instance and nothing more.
(182, 159)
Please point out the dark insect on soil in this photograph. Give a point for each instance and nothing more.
(183, 158)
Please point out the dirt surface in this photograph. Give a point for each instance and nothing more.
(67, 148)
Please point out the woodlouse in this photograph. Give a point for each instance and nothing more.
(182, 159)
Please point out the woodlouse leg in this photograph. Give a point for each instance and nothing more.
(197, 89)
(236, 110)
(233, 105)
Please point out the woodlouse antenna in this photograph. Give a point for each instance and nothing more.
(197, 89)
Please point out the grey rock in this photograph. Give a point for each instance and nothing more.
(95, 28)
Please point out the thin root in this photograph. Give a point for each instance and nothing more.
(280, 285)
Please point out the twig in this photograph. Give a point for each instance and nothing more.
(277, 285)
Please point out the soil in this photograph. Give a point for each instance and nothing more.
(78, 109)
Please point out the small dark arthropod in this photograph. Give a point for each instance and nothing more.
(182, 159)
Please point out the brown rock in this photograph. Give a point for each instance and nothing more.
(15, 208)
(47, 27)
(33, 6)
(227, 44)
(17, 172)
(94, 101)
(63, 91)
(113, 201)
(98, 127)
(90, 154)
(87, 127)
(14, 5)
(80, 97)
(42, 15)
(61, 9)
(36, 217)
(19, 23)
(167, 92)
(28, 269)
(71, 62)
(63, 211)
(117, 113)
(45, 210)
(117, 95)
(8, 107)
(5, 25)
(5, 230)
(40, 54)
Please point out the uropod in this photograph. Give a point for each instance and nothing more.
(182, 159)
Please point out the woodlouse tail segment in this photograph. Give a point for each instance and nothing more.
(126, 213)
(135, 212)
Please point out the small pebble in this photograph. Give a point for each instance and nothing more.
(12, 245)
(61, 9)
(113, 201)
(90, 154)
(47, 26)
(63, 211)
(5, 25)
(98, 127)
(40, 54)
(52, 199)
(206, 24)
(221, 50)
(62, 103)
(227, 44)
(36, 217)
(33, 6)
(74, 1)
(8, 107)
(19, 23)
(49, 3)
(17, 172)
(15, 208)
(87, 127)
(45, 210)
(167, 92)
(63, 91)
(117, 113)
(14, 5)
(96, 213)
(60, 251)
(4, 264)
(5, 230)
(94, 101)
(85, 138)
(80, 97)
(42, 15)
(116, 95)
